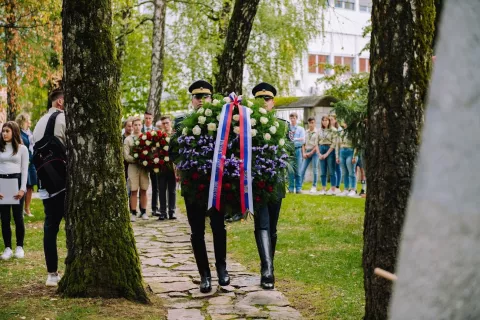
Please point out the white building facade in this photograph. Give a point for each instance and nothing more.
(341, 43)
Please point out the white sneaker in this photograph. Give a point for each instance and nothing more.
(19, 253)
(352, 194)
(313, 190)
(337, 191)
(133, 218)
(144, 216)
(52, 279)
(330, 193)
(343, 193)
(322, 193)
(7, 254)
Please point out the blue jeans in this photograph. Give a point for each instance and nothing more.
(330, 163)
(294, 177)
(306, 163)
(348, 168)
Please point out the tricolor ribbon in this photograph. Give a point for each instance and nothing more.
(216, 178)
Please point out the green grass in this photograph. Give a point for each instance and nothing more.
(319, 252)
(23, 294)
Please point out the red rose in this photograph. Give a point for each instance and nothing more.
(258, 199)
(161, 162)
(195, 176)
(163, 142)
(201, 187)
(185, 182)
(149, 135)
(229, 196)
(227, 186)
(261, 184)
(142, 142)
(270, 188)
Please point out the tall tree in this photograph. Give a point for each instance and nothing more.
(401, 55)
(231, 61)
(102, 259)
(158, 56)
(440, 252)
(11, 49)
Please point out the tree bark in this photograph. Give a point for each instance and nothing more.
(440, 251)
(102, 259)
(11, 41)
(401, 54)
(158, 49)
(230, 75)
(126, 13)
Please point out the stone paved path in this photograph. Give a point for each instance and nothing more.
(170, 272)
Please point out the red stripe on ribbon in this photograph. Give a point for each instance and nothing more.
(222, 160)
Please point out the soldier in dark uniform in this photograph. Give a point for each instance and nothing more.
(266, 218)
(202, 92)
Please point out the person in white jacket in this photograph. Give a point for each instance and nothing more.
(14, 169)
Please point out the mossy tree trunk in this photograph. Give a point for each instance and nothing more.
(231, 61)
(401, 55)
(11, 47)
(158, 49)
(102, 259)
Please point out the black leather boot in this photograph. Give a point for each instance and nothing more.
(220, 248)
(201, 258)
(273, 239)
(264, 247)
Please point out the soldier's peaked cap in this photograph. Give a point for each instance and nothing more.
(200, 86)
(264, 89)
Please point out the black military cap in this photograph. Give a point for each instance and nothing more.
(264, 90)
(200, 87)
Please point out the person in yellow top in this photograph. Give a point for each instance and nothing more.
(347, 158)
(326, 150)
(310, 153)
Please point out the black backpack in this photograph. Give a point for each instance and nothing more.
(50, 159)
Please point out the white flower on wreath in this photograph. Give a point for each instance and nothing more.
(156, 160)
(208, 112)
(215, 102)
(218, 118)
(167, 139)
(154, 133)
(145, 152)
(281, 142)
(144, 137)
(200, 111)
(267, 136)
(236, 129)
(166, 159)
(145, 163)
(212, 126)
(227, 100)
(263, 120)
(273, 129)
(236, 117)
(184, 132)
(135, 155)
(277, 124)
(157, 144)
(202, 119)
(249, 103)
(196, 130)
(254, 132)
(262, 110)
(156, 170)
(253, 122)
(137, 143)
(165, 148)
(148, 142)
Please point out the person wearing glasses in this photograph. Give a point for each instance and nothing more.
(201, 92)
(166, 180)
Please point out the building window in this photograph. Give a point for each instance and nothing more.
(345, 4)
(364, 64)
(345, 61)
(365, 5)
(316, 63)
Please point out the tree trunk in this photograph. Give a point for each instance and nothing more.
(230, 76)
(126, 14)
(401, 54)
(11, 40)
(224, 18)
(158, 48)
(102, 259)
(440, 251)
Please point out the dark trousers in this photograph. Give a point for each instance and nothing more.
(266, 218)
(17, 211)
(54, 212)
(167, 183)
(154, 179)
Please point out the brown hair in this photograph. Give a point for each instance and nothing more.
(336, 122)
(328, 118)
(21, 119)
(16, 140)
(165, 118)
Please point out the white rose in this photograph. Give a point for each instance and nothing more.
(236, 117)
(166, 159)
(137, 143)
(273, 129)
(167, 139)
(156, 170)
(212, 126)
(215, 102)
(154, 133)
(249, 103)
(145, 163)
(267, 136)
(148, 142)
(157, 144)
(145, 152)
(191, 111)
(281, 142)
(208, 112)
(236, 130)
(196, 130)
(202, 119)
(184, 132)
(135, 155)
(218, 118)
(227, 100)
(254, 132)
(253, 122)
(262, 110)
(263, 120)
(144, 137)
(200, 110)
(165, 148)
(277, 124)
(156, 160)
